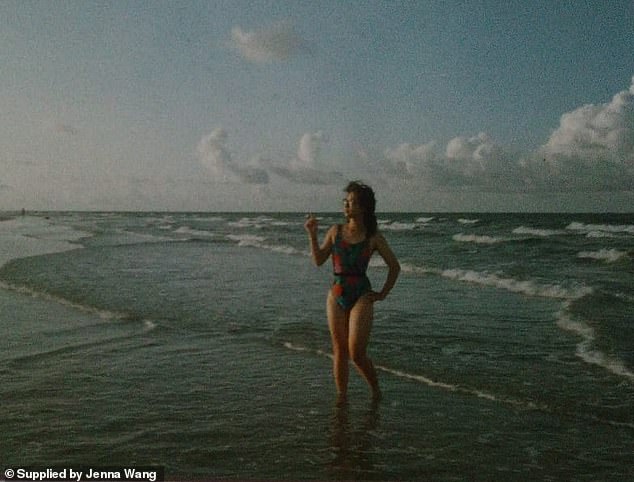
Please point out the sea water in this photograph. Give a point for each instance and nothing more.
(198, 342)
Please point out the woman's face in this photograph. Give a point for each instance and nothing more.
(351, 205)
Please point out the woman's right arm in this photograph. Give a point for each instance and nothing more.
(319, 254)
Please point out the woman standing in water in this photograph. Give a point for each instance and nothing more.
(350, 303)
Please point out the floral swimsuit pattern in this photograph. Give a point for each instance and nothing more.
(350, 261)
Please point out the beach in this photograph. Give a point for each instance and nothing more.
(198, 342)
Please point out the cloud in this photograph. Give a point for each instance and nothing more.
(216, 157)
(308, 168)
(214, 154)
(596, 132)
(481, 160)
(309, 148)
(592, 149)
(274, 44)
(476, 155)
(407, 159)
(466, 162)
(304, 169)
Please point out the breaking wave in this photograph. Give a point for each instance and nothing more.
(537, 232)
(254, 241)
(601, 228)
(586, 349)
(525, 287)
(472, 238)
(415, 377)
(398, 226)
(606, 255)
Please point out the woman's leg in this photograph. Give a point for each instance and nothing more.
(338, 324)
(359, 335)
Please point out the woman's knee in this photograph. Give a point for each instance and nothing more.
(340, 351)
(357, 355)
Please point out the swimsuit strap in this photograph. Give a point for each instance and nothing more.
(340, 236)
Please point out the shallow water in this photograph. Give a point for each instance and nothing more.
(198, 342)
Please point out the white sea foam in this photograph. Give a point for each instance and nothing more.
(186, 230)
(247, 239)
(607, 255)
(537, 232)
(207, 219)
(607, 228)
(526, 287)
(411, 268)
(425, 220)
(377, 262)
(254, 241)
(586, 349)
(129, 237)
(468, 221)
(105, 315)
(472, 238)
(418, 378)
(398, 226)
(167, 219)
(294, 347)
(31, 236)
(257, 223)
(23, 290)
(148, 325)
(600, 234)
(282, 249)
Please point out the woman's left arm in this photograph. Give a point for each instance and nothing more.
(394, 267)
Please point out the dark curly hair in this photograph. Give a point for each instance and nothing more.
(366, 198)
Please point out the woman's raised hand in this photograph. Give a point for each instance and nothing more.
(311, 225)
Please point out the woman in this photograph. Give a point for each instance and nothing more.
(351, 299)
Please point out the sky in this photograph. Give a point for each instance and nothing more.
(275, 105)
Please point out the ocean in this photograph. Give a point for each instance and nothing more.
(198, 342)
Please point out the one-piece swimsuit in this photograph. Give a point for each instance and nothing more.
(350, 261)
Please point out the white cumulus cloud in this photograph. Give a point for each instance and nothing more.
(407, 159)
(471, 156)
(596, 132)
(214, 154)
(309, 148)
(216, 157)
(307, 168)
(277, 43)
(592, 149)
(466, 161)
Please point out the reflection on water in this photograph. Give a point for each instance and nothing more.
(351, 442)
